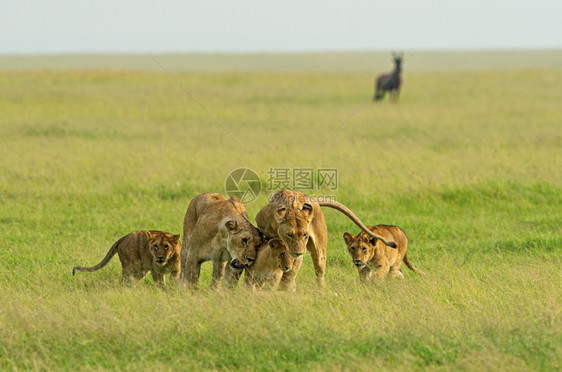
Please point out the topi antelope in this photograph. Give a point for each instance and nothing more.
(390, 82)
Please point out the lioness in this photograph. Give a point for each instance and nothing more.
(272, 261)
(143, 251)
(218, 229)
(298, 220)
(370, 254)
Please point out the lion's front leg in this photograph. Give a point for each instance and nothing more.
(158, 277)
(317, 251)
(192, 270)
(274, 281)
(231, 277)
(364, 274)
(175, 275)
(250, 280)
(218, 272)
(175, 271)
(288, 282)
(382, 271)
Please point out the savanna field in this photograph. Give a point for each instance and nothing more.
(468, 164)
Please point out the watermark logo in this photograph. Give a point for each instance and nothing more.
(302, 178)
(274, 197)
(246, 184)
(243, 183)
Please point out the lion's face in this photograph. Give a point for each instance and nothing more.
(163, 246)
(282, 256)
(242, 243)
(361, 248)
(293, 228)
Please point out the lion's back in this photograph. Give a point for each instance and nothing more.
(133, 243)
(197, 208)
(391, 233)
(396, 234)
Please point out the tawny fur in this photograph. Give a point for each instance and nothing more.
(373, 259)
(298, 220)
(141, 252)
(272, 261)
(216, 229)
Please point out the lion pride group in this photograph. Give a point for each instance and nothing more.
(218, 229)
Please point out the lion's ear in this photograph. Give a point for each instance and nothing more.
(231, 226)
(373, 241)
(307, 208)
(347, 237)
(274, 243)
(149, 234)
(177, 237)
(235, 199)
(280, 213)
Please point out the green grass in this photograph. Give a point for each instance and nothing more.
(468, 164)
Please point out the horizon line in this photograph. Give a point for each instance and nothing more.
(284, 52)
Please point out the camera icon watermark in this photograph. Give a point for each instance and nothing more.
(243, 183)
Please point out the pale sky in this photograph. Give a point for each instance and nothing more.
(139, 26)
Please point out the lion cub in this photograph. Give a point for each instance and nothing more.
(273, 259)
(370, 254)
(141, 252)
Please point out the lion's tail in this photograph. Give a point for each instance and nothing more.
(346, 211)
(412, 267)
(103, 262)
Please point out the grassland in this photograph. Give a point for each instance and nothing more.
(468, 164)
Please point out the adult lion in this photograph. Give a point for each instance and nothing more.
(217, 229)
(141, 252)
(298, 220)
(375, 260)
